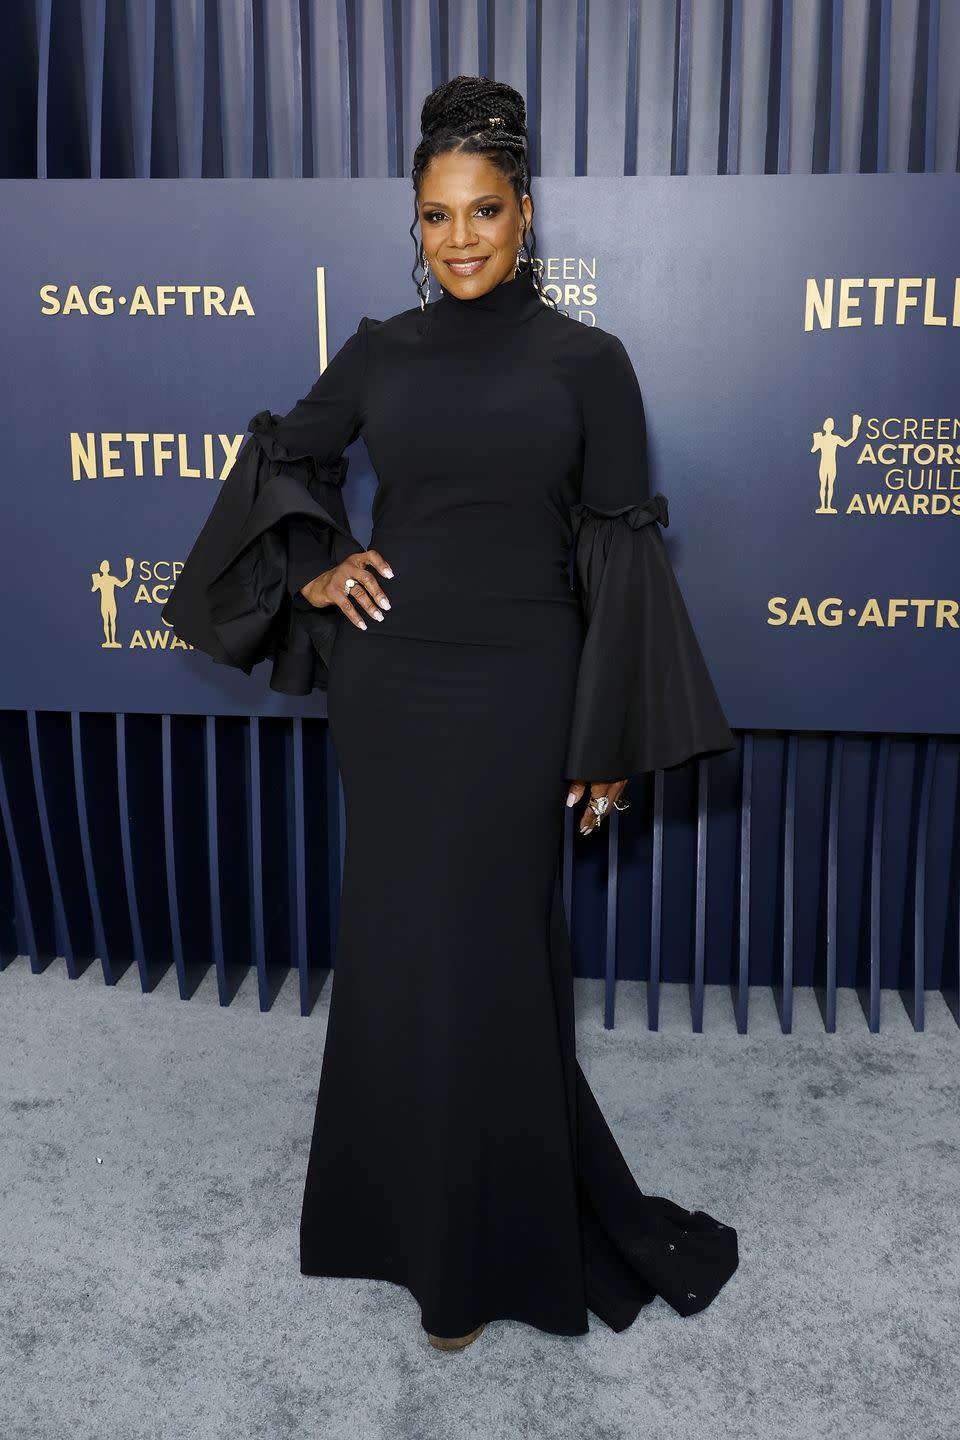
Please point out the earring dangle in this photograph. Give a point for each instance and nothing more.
(426, 276)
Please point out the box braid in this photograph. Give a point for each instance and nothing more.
(457, 115)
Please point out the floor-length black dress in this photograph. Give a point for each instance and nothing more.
(457, 1148)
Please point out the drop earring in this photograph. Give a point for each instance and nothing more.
(516, 268)
(426, 275)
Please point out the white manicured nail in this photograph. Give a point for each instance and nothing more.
(571, 798)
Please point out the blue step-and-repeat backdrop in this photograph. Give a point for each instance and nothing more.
(797, 341)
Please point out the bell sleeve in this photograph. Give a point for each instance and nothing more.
(278, 522)
(644, 698)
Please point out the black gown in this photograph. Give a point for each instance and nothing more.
(457, 1148)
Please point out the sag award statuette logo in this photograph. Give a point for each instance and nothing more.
(828, 443)
(108, 585)
(155, 580)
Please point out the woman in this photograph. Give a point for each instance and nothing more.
(457, 1148)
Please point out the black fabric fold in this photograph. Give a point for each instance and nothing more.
(309, 552)
(232, 599)
(644, 698)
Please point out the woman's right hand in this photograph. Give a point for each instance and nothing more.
(328, 588)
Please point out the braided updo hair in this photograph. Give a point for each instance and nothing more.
(482, 117)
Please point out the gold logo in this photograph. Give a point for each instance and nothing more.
(155, 580)
(828, 442)
(108, 585)
(902, 465)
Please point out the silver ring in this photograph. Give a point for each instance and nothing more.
(348, 583)
(599, 805)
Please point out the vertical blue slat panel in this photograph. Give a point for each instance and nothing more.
(681, 91)
(298, 865)
(255, 858)
(611, 930)
(346, 50)
(10, 946)
(580, 93)
(913, 994)
(834, 778)
(788, 881)
(632, 101)
(875, 880)
(278, 55)
(836, 86)
(23, 916)
(744, 867)
(199, 91)
(86, 849)
(656, 906)
(249, 86)
(213, 854)
(951, 969)
(94, 43)
(485, 26)
(235, 86)
(734, 90)
(142, 27)
(883, 91)
(61, 928)
(296, 67)
(700, 901)
(785, 88)
(126, 850)
(43, 83)
(438, 49)
(169, 853)
(532, 74)
(393, 87)
(931, 77)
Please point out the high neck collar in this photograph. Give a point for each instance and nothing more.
(511, 302)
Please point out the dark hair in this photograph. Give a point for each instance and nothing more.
(482, 117)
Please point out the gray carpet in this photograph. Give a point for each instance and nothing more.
(150, 1180)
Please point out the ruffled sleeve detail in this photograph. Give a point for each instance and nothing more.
(644, 698)
(632, 515)
(280, 512)
(232, 598)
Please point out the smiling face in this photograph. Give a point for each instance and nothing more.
(470, 223)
